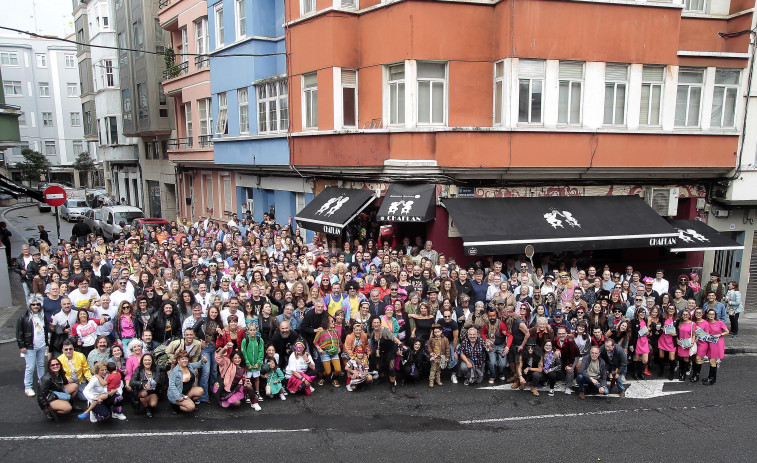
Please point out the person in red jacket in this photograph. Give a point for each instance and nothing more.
(569, 354)
(231, 334)
(498, 342)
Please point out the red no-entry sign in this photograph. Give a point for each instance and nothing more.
(55, 196)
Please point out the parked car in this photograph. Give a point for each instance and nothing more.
(116, 219)
(92, 218)
(153, 222)
(72, 209)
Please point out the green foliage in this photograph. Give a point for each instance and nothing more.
(34, 165)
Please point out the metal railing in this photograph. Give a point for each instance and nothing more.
(205, 141)
(180, 143)
(164, 3)
(202, 61)
(176, 70)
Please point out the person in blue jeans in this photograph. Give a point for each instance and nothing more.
(32, 335)
(616, 362)
(209, 330)
(592, 372)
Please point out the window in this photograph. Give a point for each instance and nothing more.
(396, 83)
(432, 91)
(70, 62)
(50, 148)
(76, 119)
(308, 6)
(244, 111)
(139, 39)
(78, 146)
(530, 88)
(651, 95)
(228, 201)
(108, 76)
(694, 6)
(689, 97)
(209, 204)
(142, 103)
(87, 121)
(221, 125)
(9, 58)
(349, 4)
(126, 104)
(241, 16)
(219, 25)
(349, 98)
(44, 89)
(616, 80)
(201, 42)
(183, 56)
(570, 90)
(273, 107)
(148, 150)
(47, 119)
(12, 87)
(111, 126)
(72, 89)
(122, 50)
(724, 98)
(206, 122)
(22, 120)
(310, 99)
(499, 86)
(41, 60)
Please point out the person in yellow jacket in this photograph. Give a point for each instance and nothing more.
(74, 365)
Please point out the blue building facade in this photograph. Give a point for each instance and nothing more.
(250, 106)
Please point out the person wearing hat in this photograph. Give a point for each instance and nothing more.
(530, 367)
(649, 289)
(32, 336)
(714, 286)
(300, 370)
(357, 369)
(559, 320)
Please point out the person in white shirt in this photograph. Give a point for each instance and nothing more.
(660, 284)
(549, 285)
(225, 290)
(105, 308)
(63, 321)
(124, 292)
(233, 310)
(204, 298)
(80, 297)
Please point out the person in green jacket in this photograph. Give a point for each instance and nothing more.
(253, 350)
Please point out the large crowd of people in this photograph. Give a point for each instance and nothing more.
(243, 312)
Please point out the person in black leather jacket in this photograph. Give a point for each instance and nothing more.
(147, 383)
(415, 363)
(55, 391)
(165, 323)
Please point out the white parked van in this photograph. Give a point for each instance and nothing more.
(116, 219)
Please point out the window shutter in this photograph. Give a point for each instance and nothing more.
(311, 80)
(349, 78)
(652, 73)
(571, 70)
(616, 72)
(531, 68)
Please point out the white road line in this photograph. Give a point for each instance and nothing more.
(569, 415)
(151, 434)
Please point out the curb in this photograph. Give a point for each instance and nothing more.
(741, 350)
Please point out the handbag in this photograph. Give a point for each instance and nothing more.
(267, 389)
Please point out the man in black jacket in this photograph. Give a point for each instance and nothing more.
(311, 326)
(32, 335)
(617, 362)
(19, 266)
(283, 341)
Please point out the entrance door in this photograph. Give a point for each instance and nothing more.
(728, 263)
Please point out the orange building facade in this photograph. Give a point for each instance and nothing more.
(518, 97)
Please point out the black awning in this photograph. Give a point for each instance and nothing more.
(552, 224)
(406, 202)
(695, 235)
(334, 208)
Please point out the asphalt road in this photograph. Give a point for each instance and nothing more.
(25, 220)
(441, 424)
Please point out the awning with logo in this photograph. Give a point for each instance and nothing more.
(695, 235)
(334, 208)
(405, 202)
(494, 226)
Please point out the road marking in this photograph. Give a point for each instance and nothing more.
(635, 390)
(151, 434)
(568, 415)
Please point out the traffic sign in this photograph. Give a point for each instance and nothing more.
(55, 196)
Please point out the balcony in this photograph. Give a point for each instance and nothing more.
(165, 3)
(9, 132)
(180, 143)
(176, 70)
(202, 61)
(205, 141)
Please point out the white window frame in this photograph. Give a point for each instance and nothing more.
(41, 59)
(222, 126)
(695, 6)
(184, 54)
(614, 85)
(689, 87)
(72, 89)
(107, 73)
(498, 90)
(398, 88)
(204, 112)
(228, 193)
(111, 122)
(15, 87)
(308, 7)
(201, 42)
(79, 144)
(310, 101)
(652, 84)
(220, 35)
(75, 119)
(9, 58)
(272, 106)
(48, 145)
(70, 61)
(188, 120)
(719, 122)
(531, 78)
(47, 119)
(348, 82)
(240, 19)
(22, 119)
(44, 89)
(571, 82)
(207, 181)
(244, 110)
(433, 83)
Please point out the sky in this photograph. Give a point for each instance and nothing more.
(49, 17)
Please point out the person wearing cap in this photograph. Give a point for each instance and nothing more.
(558, 320)
(32, 336)
(649, 289)
(530, 365)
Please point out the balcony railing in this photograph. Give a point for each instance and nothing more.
(164, 3)
(202, 61)
(180, 143)
(205, 141)
(176, 70)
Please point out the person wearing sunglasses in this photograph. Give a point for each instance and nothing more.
(55, 391)
(32, 335)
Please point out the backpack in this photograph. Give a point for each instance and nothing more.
(160, 355)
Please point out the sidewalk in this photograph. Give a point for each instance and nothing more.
(746, 341)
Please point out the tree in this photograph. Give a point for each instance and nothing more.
(85, 163)
(34, 165)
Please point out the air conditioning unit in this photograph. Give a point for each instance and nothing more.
(663, 200)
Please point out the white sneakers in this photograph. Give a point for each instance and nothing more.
(282, 396)
(568, 391)
(312, 389)
(256, 407)
(92, 417)
(349, 388)
(29, 392)
(119, 416)
(454, 378)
